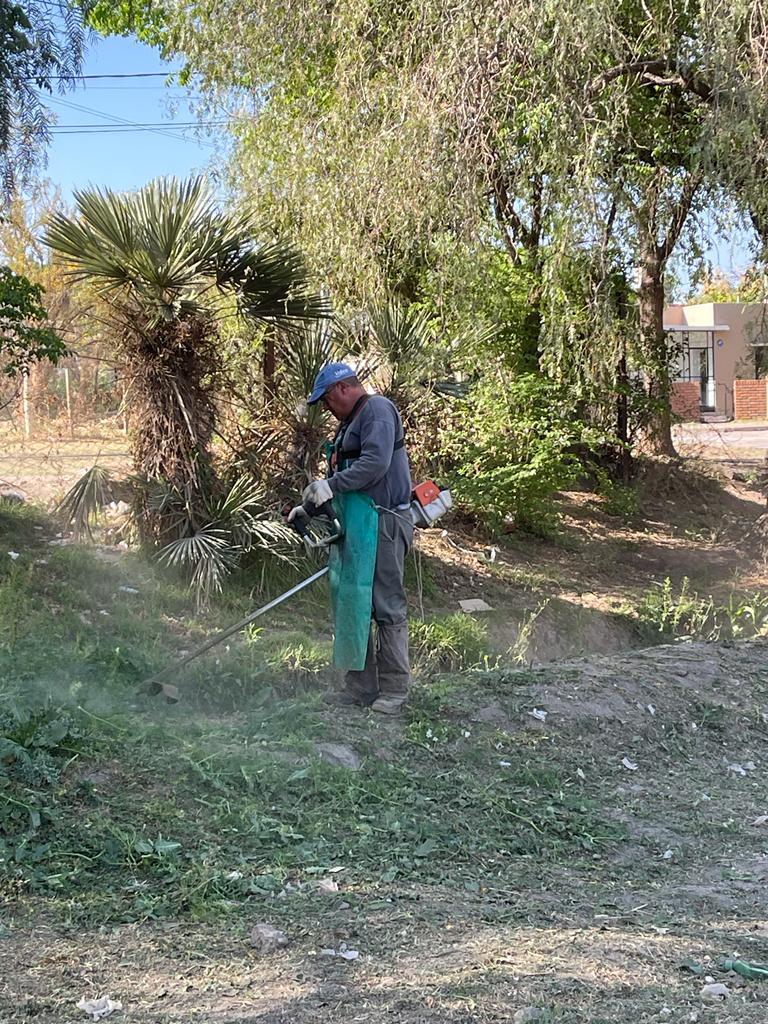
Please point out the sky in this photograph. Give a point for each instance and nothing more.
(122, 160)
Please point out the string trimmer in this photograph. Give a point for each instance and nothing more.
(312, 541)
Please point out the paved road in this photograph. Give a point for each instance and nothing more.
(723, 440)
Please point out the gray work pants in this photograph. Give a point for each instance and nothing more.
(387, 667)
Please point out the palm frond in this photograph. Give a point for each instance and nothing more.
(206, 555)
(402, 334)
(271, 536)
(82, 503)
(273, 284)
(403, 346)
(214, 532)
(242, 512)
(301, 352)
(167, 244)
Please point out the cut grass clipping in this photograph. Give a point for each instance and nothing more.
(120, 826)
(107, 815)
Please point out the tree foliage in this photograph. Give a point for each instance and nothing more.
(719, 287)
(26, 335)
(527, 166)
(41, 44)
(512, 445)
(399, 140)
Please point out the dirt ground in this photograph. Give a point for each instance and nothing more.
(43, 468)
(672, 743)
(571, 595)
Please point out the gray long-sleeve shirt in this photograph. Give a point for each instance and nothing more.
(379, 470)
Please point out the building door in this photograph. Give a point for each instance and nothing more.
(706, 374)
(694, 360)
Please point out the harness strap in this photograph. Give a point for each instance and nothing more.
(345, 454)
(343, 427)
(355, 453)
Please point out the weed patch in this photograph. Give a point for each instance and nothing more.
(682, 613)
(453, 642)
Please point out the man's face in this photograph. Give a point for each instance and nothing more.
(336, 399)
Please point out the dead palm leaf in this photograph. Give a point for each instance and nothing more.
(82, 503)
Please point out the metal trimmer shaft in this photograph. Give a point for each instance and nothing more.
(153, 685)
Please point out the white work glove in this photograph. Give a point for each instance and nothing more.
(318, 492)
(297, 510)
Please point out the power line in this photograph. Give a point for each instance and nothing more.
(138, 88)
(110, 117)
(142, 124)
(119, 129)
(132, 74)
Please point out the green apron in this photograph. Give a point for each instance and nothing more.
(351, 565)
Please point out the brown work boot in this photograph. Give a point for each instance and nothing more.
(391, 704)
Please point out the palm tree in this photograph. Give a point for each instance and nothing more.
(170, 267)
(402, 350)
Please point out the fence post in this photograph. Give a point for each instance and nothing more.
(25, 404)
(69, 402)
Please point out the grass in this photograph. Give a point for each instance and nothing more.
(120, 809)
(113, 818)
(216, 828)
(681, 613)
(486, 860)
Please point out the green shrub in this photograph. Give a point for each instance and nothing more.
(512, 446)
(619, 499)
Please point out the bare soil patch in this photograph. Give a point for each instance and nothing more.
(602, 936)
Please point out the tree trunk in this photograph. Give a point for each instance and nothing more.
(622, 417)
(174, 372)
(268, 368)
(654, 347)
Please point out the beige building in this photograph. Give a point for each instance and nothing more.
(715, 344)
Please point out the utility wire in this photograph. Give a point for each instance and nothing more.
(137, 88)
(110, 117)
(78, 78)
(136, 126)
(127, 131)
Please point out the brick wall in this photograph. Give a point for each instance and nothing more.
(750, 399)
(685, 400)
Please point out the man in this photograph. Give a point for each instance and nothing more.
(368, 456)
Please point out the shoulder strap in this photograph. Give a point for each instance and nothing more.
(344, 426)
(355, 453)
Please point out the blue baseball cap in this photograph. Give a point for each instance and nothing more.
(330, 374)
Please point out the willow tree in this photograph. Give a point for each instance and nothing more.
(41, 47)
(388, 135)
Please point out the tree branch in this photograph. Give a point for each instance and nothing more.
(654, 71)
(681, 211)
(537, 212)
(509, 220)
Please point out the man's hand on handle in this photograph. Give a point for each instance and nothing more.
(318, 493)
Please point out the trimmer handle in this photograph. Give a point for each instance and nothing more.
(301, 524)
(326, 510)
